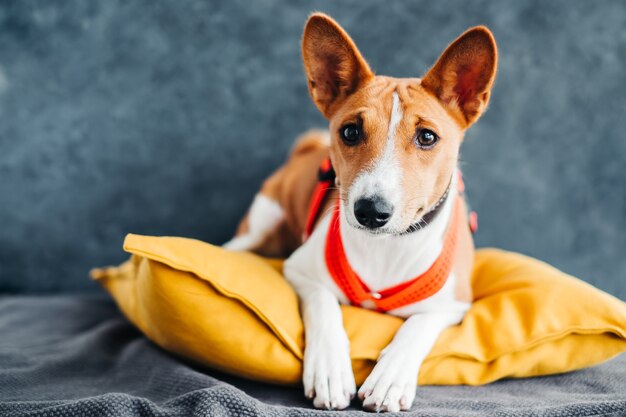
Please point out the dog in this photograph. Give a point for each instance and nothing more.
(371, 212)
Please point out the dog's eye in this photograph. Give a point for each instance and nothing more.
(351, 134)
(426, 139)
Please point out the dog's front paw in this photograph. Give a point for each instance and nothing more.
(328, 378)
(392, 384)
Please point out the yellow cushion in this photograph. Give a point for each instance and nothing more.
(236, 313)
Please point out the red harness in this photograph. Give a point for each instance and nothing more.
(326, 177)
(408, 292)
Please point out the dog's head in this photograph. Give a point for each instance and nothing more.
(395, 141)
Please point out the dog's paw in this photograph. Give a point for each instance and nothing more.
(392, 384)
(328, 378)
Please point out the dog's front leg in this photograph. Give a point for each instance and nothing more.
(392, 384)
(327, 375)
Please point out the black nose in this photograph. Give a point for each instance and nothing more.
(373, 212)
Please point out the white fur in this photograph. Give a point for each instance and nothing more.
(264, 217)
(392, 384)
(384, 178)
(381, 262)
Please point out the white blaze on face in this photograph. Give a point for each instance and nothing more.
(384, 177)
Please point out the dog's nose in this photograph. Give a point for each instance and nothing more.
(372, 212)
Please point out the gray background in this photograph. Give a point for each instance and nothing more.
(164, 117)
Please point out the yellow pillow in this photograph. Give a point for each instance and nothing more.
(236, 313)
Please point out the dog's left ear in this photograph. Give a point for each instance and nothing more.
(463, 76)
(333, 64)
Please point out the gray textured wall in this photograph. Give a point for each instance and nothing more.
(163, 118)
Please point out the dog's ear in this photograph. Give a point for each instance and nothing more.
(334, 67)
(463, 75)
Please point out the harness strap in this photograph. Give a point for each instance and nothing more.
(326, 177)
(409, 292)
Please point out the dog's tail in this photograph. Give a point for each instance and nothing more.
(310, 140)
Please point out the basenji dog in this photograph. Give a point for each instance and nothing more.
(371, 212)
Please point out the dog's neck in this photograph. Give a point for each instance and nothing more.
(382, 261)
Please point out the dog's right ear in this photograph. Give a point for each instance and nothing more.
(333, 64)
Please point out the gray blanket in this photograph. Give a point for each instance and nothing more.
(77, 356)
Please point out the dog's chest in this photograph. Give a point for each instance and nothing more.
(385, 264)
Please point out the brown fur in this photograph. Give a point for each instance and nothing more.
(292, 186)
